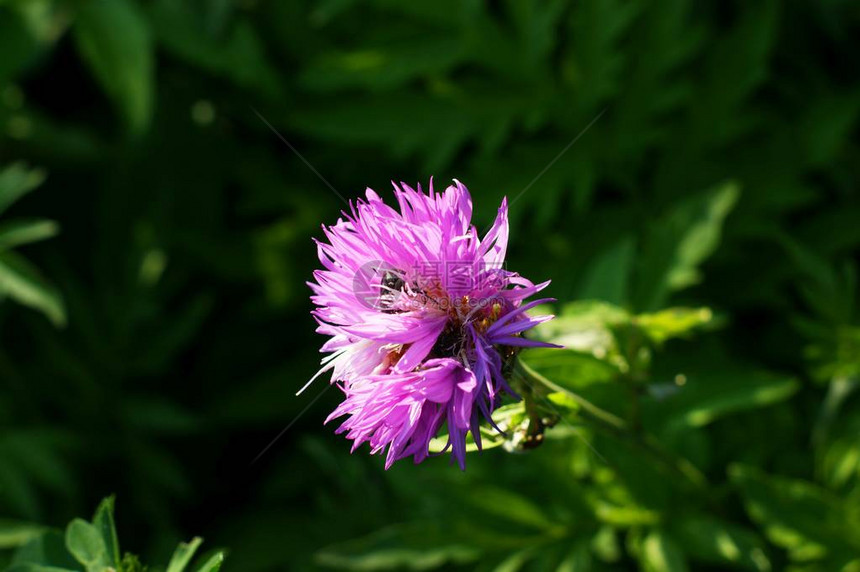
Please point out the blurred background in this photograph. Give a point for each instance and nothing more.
(152, 344)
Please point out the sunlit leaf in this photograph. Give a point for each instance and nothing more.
(673, 322)
(23, 283)
(15, 533)
(213, 564)
(661, 554)
(809, 522)
(577, 560)
(183, 554)
(586, 327)
(709, 540)
(18, 232)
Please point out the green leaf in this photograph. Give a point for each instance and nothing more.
(383, 67)
(37, 568)
(673, 322)
(515, 561)
(48, 549)
(505, 504)
(131, 563)
(414, 546)
(16, 181)
(114, 41)
(797, 515)
(570, 368)
(712, 541)
(607, 278)
(18, 44)
(585, 326)
(23, 283)
(14, 533)
(104, 523)
(679, 242)
(707, 395)
(578, 559)
(703, 222)
(20, 232)
(659, 553)
(183, 554)
(239, 56)
(213, 564)
(86, 544)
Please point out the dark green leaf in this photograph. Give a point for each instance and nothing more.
(712, 541)
(679, 242)
(16, 181)
(802, 518)
(413, 547)
(114, 40)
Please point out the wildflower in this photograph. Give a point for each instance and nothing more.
(424, 321)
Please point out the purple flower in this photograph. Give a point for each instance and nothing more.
(425, 323)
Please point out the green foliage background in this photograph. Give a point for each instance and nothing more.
(710, 211)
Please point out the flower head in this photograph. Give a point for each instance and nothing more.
(424, 320)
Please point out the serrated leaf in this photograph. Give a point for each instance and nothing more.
(24, 284)
(114, 41)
